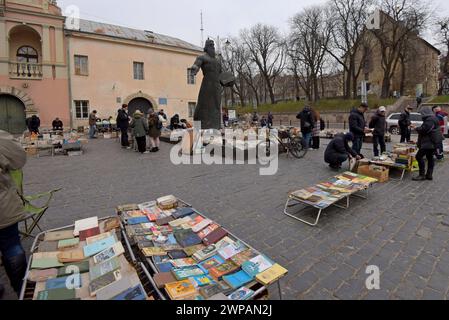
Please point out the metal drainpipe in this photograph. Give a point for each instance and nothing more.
(69, 69)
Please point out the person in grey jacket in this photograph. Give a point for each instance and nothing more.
(140, 128)
(12, 157)
(429, 137)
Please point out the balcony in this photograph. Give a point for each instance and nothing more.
(28, 71)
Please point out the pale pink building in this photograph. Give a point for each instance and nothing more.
(54, 71)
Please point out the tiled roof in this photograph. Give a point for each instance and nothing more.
(110, 30)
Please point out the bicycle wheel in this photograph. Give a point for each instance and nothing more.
(297, 149)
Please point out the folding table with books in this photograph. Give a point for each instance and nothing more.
(194, 258)
(90, 260)
(329, 193)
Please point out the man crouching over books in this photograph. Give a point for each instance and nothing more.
(12, 157)
(338, 151)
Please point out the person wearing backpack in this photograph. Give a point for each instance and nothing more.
(154, 131)
(307, 125)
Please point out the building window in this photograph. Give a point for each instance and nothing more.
(81, 65)
(81, 109)
(192, 106)
(27, 54)
(138, 71)
(191, 78)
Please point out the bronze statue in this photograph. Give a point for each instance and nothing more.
(208, 109)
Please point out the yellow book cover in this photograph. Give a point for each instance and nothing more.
(153, 251)
(271, 275)
(180, 289)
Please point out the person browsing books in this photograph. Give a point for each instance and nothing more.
(338, 151)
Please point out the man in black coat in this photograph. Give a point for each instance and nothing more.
(357, 126)
(378, 123)
(123, 125)
(429, 137)
(338, 151)
(33, 124)
(307, 125)
(404, 125)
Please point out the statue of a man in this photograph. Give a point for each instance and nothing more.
(208, 109)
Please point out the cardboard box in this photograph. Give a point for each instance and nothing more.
(373, 171)
(31, 151)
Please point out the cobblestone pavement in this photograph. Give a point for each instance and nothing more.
(403, 228)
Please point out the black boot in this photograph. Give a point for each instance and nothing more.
(420, 178)
(15, 268)
(429, 176)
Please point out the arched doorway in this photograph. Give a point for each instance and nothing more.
(141, 104)
(12, 114)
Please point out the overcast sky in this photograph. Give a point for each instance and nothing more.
(181, 18)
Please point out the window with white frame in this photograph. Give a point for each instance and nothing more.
(139, 71)
(81, 109)
(191, 106)
(191, 78)
(81, 65)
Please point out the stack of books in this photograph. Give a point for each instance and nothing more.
(84, 263)
(324, 194)
(196, 258)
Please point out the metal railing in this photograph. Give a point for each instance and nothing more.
(23, 70)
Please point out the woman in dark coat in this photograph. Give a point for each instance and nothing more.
(140, 129)
(154, 126)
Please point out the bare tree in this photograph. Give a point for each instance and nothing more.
(400, 21)
(442, 33)
(348, 24)
(310, 36)
(266, 50)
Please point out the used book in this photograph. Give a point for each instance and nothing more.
(111, 252)
(85, 224)
(188, 272)
(84, 234)
(180, 289)
(104, 281)
(271, 275)
(238, 279)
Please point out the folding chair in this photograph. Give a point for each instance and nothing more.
(33, 212)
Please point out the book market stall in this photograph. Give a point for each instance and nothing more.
(328, 194)
(54, 143)
(402, 158)
(90, 260)
(193, 258)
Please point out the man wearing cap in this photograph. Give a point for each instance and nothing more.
(338, 151)
(404, 125)
(378, 123)
(357, 126)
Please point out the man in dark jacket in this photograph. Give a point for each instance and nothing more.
(357, 126)
(123, 125)
(404, 125)
(57, 125)
(378, 123)
(429, 137)
(270, 120)
(307, 125)
(12, 157)
(338, 151)
(33, 124)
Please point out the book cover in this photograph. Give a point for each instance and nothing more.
(203, 233)
(76, 255)
(257, 265)
(85, 224)
(187, 238)
(231, 250)
(99, 237)
(205, 253)
(68, 243)
(103, 268)
(190, 251)
(215, 236)
(212, 262)
(223, 269)
(64, 282)
(111, 252)
(244, 256)
(185, 262)
(58, 235)
(48, 246)
(127, 207)
(137, 220)
(45, 263)
(104, 281)
(96, 247)
(42, 275)
(202, 281)
(185, 273)
(179, 222)
(164, 221)
(211, 290)
(177, 254)
(111, 224)
(57, 294)
(241, 294)
(271, 275)
(238, 279)
(84, 234)
(82, 267)
(201, 225)
(164, 267)
(180, 289)
(161, 279)
(114, 289)
(160, 259)
(136, 293)
(153, 251)
(182, 212)
(147, 205)
(218, 297)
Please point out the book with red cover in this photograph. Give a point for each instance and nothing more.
(89, 233)
(215, 236)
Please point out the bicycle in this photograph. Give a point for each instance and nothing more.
(294, 145)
